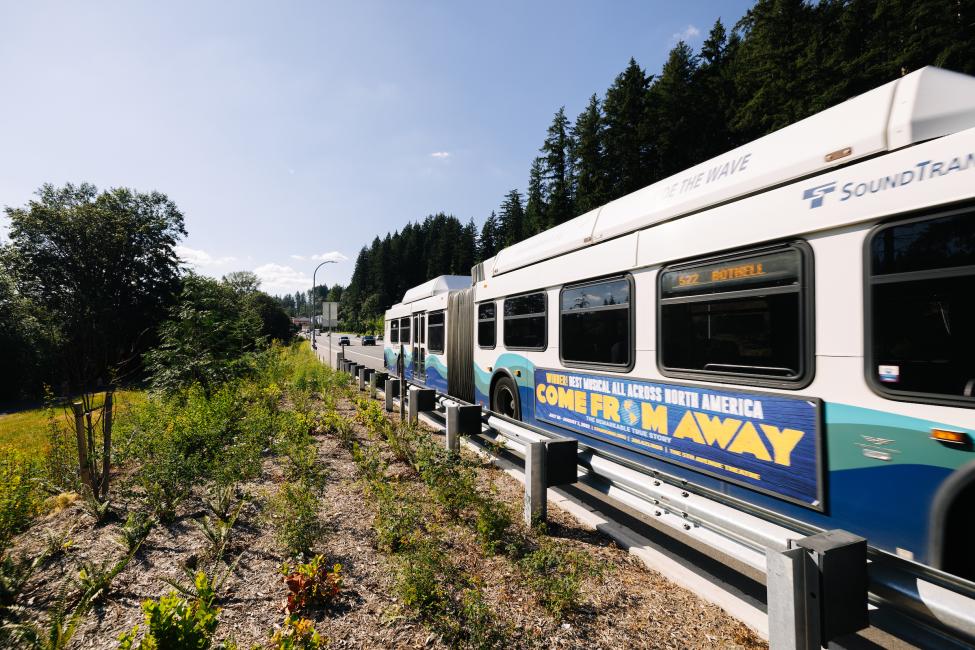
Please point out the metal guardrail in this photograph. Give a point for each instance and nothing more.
(937, 602)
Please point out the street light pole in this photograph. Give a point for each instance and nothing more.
(314, 345)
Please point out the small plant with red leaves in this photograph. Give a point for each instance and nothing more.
(312, 584)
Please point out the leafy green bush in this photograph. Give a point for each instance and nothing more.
(172, 622)
(19, 498)
(492, 523)
(556, 574)
(398, 519)
(297, 634)
(422, 578)
(293, 513)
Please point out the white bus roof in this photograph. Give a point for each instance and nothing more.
(438, 285)
(925, 104)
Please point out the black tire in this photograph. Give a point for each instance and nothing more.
(504, 398)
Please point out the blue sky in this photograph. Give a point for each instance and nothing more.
(289, 131)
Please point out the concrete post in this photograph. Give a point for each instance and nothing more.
(536, 491)
(392, 390)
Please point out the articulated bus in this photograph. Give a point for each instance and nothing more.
(789, 326)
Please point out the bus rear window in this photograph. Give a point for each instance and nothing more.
(741, 317)
(920, 309)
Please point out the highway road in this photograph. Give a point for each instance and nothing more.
(370, 356)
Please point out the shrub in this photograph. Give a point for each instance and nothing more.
(19, 500)
(294, 515)
(492, 523)
(312, 584)
(397, 520)
(297, 634)
(422, 579)
(555, 574)
(172, 622)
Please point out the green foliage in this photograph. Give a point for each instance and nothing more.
(19, 501)
(398, 520)
(172, 623)
(206, 339)
(492, 523)
(556, 575)
(293, 512)
(134, 531)
(297, 634)
(312, 584)
(100, 268)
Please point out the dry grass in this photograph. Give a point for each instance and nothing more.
(27, 430)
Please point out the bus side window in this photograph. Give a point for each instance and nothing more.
(487, 331)
(742, 318)
(595, 322)
(920, 313)
(394, 331)
(404, 330)
(435, 332)
(525, 322)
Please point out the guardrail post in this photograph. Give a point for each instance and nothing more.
(372, 385)
(421, 399)
(462, 421)
(817, 590)
(536, 490)
(392, 391)
(339, 358)
(793, 619)
(561, 461)
(364, 377)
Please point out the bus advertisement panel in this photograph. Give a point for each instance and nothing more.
(765, 442)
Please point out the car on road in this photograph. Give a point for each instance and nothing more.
(368, 340)
(344, 340)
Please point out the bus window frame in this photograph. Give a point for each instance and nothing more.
(544, 345)
(631, 307)
(478, 321)
(806, 325)
(875, 385)
(443, 325)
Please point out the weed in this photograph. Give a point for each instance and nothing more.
(398, 519)
(492, 523)
(555, 574)
(19, 476)
(422, 578)
(294, 514)
(312, 584)
(297, 634)
(100, 511)
(134, 531)
(58, 542)
(221, 500)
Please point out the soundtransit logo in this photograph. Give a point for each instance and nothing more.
(818, 193)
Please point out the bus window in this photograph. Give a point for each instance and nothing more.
(595, 320)
(404, 330)
(524, 322)
(435, 332)
(394, 331)
(486, 325)
(742, 316)
(920, 313)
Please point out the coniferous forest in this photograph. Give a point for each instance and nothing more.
(782, 61)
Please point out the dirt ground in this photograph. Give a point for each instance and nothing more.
(626, 605)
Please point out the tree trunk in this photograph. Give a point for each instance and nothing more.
(79, 427)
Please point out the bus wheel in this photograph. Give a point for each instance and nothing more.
(504, 398)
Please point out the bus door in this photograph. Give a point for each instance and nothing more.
(419, 346)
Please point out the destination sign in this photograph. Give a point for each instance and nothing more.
(772, 269)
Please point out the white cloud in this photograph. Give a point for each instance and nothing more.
(333, 256)
(200, 259)
(440, 154)
(686, 34)
(279, 279)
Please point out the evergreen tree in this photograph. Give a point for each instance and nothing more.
(557, 170)
(487, 242)
(536, 210)
(588, 158)
(627, 141)
(675, 114)
(511, 219)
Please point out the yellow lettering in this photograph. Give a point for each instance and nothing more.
(595, 404)
(653, 419)
(551, 395)
(611, 408)
(783, 442)
(688, 429)
(540, 393)
(565, 397)
(749, 442)
(717, 431)
(580, 406)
